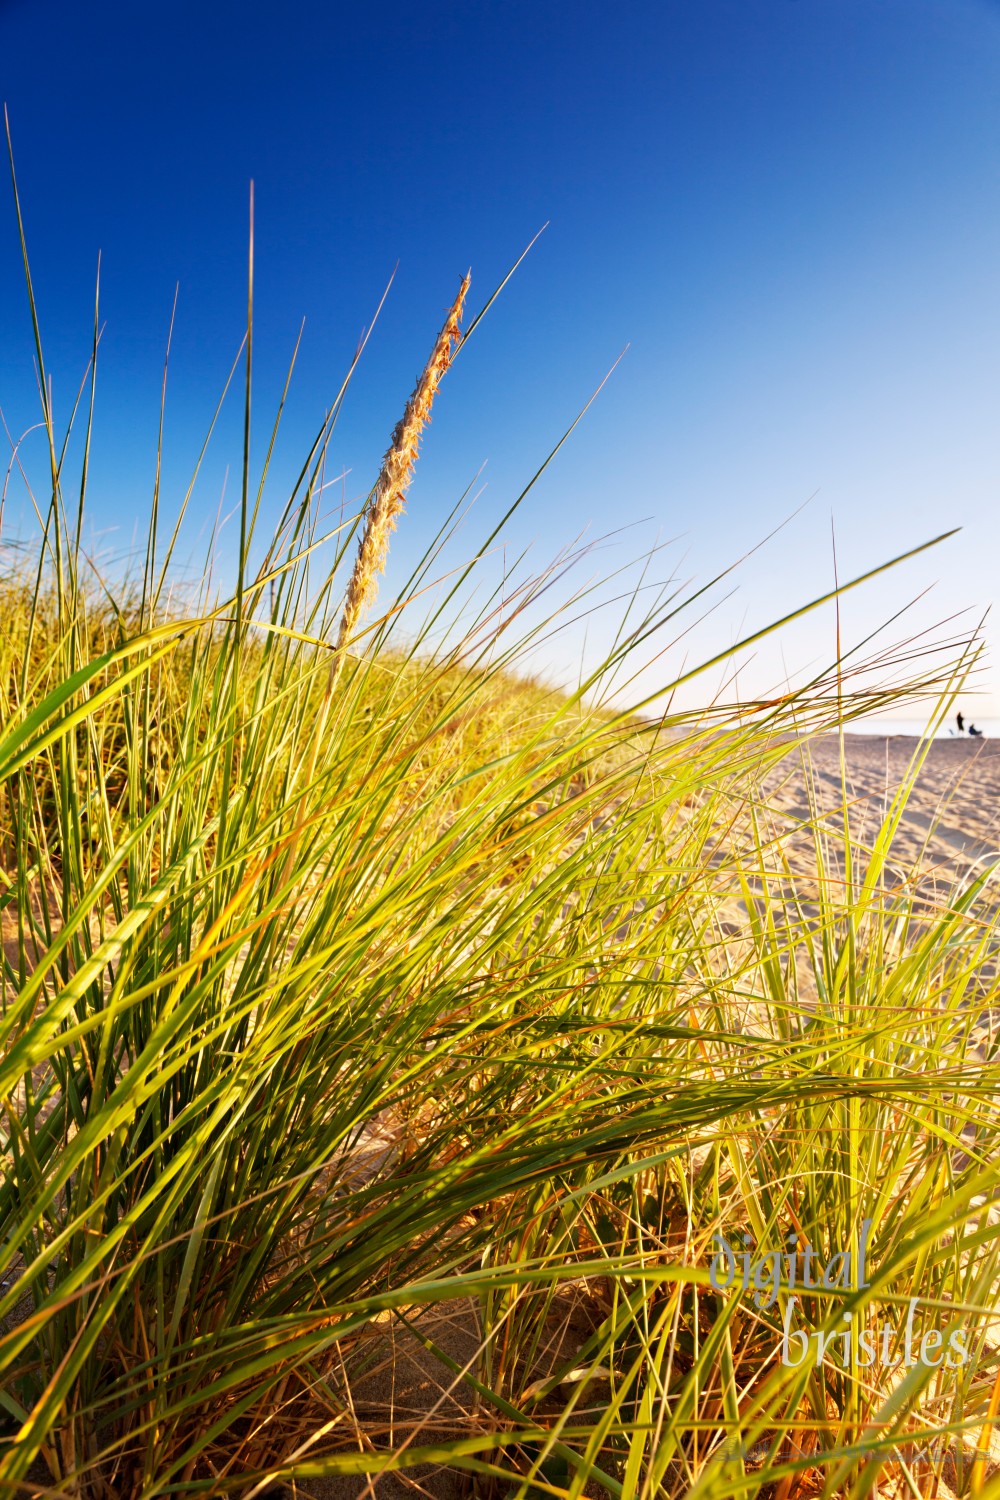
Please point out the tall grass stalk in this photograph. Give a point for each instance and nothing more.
(385, 505)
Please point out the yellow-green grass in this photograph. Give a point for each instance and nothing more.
(453, 992)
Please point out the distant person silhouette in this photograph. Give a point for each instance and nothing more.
(976, 733)
(961, 723)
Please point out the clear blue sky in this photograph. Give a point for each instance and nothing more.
(789, 209)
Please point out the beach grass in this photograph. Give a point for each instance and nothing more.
(349, 981)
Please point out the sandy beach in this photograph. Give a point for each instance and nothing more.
(951, 824)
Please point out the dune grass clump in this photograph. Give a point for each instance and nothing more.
(351, 988)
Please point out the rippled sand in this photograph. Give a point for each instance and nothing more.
(951, 823)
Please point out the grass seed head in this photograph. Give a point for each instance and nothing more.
(389, 494)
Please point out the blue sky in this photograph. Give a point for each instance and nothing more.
(788, 209)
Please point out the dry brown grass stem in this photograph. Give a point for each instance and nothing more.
(384, 506)
(387, 498)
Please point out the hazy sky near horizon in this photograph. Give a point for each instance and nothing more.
(789, 210)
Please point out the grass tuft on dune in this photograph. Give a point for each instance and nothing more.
(336, 1003)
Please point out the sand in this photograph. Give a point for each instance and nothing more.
(952, 819)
